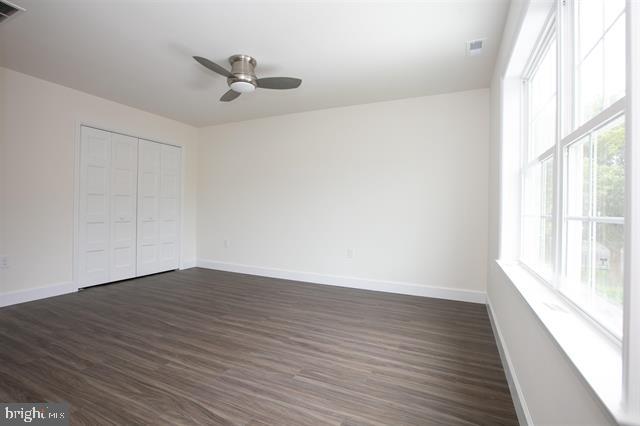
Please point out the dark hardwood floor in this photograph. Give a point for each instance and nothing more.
(207, 347)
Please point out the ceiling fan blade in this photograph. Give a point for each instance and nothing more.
(278, 83)
(212, 66)
(229, 96)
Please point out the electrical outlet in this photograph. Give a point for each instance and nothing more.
(4, 262)
(225, 243)
(350, 253)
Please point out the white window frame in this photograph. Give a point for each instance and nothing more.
(548, 36)
(560, 28)
(568, 134)
(610, 370)
(631, 322)
(599, 121)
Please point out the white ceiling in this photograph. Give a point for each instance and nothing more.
(138, 52)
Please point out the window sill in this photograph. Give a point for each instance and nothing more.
(597, 359)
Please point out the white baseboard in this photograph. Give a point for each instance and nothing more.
(352, 282)
(22, 296)
(186, 264)
(524, 417)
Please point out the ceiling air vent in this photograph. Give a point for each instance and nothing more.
(7, 10)
(475, 47)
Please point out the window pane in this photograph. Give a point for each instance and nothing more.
(548, 251)
(543, 129)
(538, 200)
(609, 279)
(590, 88)
(579, 178)
(531, 237)
(609, 170)
(547, 187)
(612, 10)
(537, 236)
(600, 56)
(532, 190)
(578, 259)
(538, 249)
(589, 25)
(543, 80)
(594, 242)
(542, 104)
(614, 62)
(594, 270)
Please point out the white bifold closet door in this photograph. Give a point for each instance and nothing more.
(124, 180)
(128, 211)
(107, 207)
(158, 207)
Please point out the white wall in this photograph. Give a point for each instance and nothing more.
(403, 184)
(553, 391)
(39, 125)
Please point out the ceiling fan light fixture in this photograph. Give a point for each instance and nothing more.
(242, 87)
(242, 77)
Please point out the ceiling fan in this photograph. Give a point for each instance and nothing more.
(242, 77)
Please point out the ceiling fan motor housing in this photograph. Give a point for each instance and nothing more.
(244, 76)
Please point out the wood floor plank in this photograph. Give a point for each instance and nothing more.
(209, 347)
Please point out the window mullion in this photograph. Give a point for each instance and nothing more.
(592, 255)
(592, 213)
(545, 155)
(608, 114)
(572, 46)
(558, 166)
(524, 160)
(604, 55)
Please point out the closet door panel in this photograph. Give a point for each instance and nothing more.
(124, 178)
(149, 171)
(169, 208)
(158, 201)
(94, 214)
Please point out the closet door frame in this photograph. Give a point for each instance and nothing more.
(76, 189)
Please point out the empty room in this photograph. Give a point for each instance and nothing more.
(320, 212)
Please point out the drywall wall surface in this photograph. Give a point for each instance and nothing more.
(392, 191)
